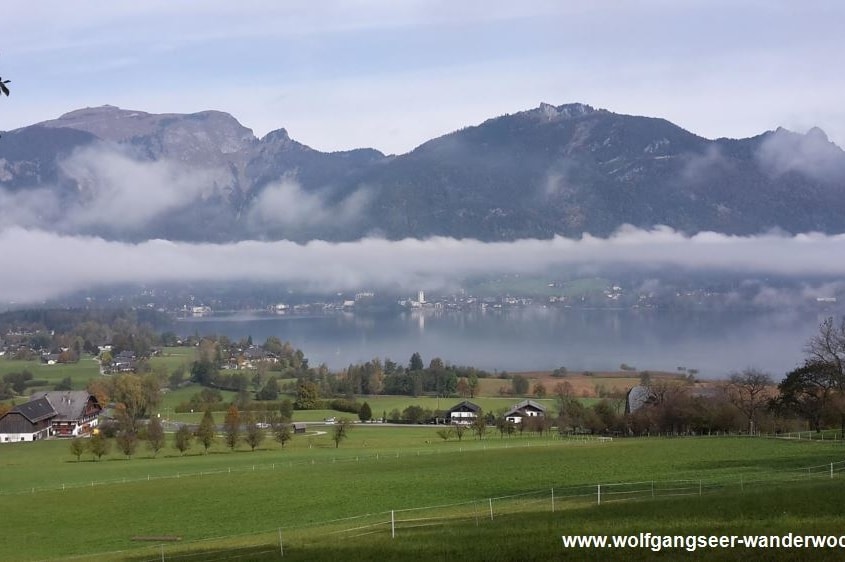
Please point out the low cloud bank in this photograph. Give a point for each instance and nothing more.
(40, 265)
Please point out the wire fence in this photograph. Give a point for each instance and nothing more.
(396, 523)
(322, 459)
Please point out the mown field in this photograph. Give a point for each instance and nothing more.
(247, 498)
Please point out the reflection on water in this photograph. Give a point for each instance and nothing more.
(539, 338)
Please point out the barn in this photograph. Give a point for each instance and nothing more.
(61, 413)
(27, 422)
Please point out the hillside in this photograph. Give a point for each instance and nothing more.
(553, 170)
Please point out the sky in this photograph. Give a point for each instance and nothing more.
(391, 75)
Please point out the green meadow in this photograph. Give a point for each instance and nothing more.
(332, 502)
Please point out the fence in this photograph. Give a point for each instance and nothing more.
(393, 524)
(469, 446)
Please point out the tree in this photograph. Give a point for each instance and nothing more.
(77, 447)
(413, 414)
(206, 430)
(365, 414)
(254, 433)
(307, 396)
(539, 390)
(341, 431)
(748, 391)
(281, 431)
(463, 387)
(99, 445)
(270, 390)
(473, 385)
(479, 426)
(416, 362)
(520, 385)
(809, 391)
(286, 409)
(445, 434)
(65, 384)
(155, 435)
(127, 441)
(828, 347)
(232, 427)
(460, 429)
(182, 439)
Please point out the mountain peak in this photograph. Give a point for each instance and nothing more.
(549, 112)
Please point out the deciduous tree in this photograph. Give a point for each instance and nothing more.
(77, 447)
(749, 392)
(206, 430)
(99, 445)
(182, 439)
(479, 425)
(127, 441)
(281, 431)
(155, 435)
(232, 427)
(341, 431)
(254, 434)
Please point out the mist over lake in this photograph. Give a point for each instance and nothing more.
(539, 338)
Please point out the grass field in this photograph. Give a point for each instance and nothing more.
(310, 483)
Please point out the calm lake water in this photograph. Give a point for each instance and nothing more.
(539, 338)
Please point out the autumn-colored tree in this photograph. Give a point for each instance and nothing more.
(232, 427)
(479, 425)
(254, 433)
(182, 439)
(281, 431)
(206, 430)
(155, 435)
(127, 441)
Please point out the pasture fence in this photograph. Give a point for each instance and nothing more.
(399, 522)
(319, 459)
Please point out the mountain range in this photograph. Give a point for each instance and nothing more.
(552, 170)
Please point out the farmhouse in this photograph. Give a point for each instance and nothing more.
(27, 422)
(525, 409)
(463, 413)
(61, 413)
(76, 412)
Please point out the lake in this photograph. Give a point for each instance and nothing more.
(538, 338)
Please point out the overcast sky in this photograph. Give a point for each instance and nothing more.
(392, 74)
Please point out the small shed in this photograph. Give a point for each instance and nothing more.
(299, 427)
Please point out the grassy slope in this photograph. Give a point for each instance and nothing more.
(409, 472)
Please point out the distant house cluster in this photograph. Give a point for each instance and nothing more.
(466, 412)
(249, 358)
(58, 413)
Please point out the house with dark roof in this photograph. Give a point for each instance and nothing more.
(27, 422)
(77, 412)
(463, 413)
(61, 413)
(525, 409)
